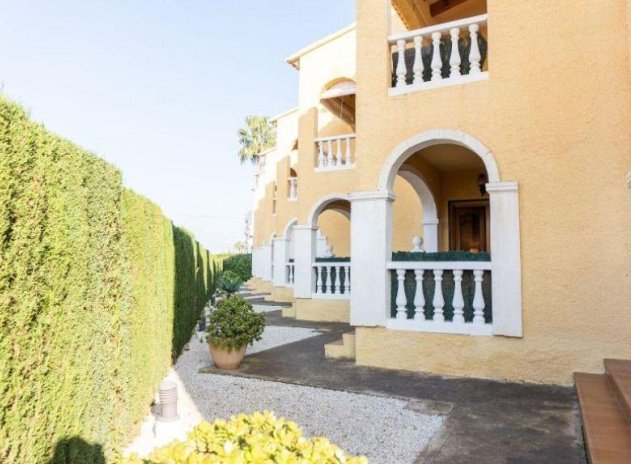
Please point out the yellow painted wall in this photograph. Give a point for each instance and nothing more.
(407, 216)
(556, 113)
(337, 230)
(568, 144)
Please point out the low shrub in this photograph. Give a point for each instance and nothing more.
(240, 265)
(234, 324)
(253, 439)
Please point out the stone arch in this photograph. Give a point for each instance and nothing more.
(403, 151)
(289, 225)
(325, 202)
(505, 223)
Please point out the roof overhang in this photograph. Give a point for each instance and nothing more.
(294, 60)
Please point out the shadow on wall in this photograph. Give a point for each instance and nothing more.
(75, 450)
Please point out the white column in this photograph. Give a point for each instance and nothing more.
(348, 160)
(418, 60)
(318, 278)
(478, 298)
(437, 62)
(439, 300)
(347, 280)
(505, 258)
(419, 296)
(474, 54)
(401, 70)
(330, 160)
(305, 240)
(458, 303)
(280, 261)
(255, 262)
(401, 299)
(454, 59)
(371, 219)
(266, 263)
(430, 235)
(321, 158)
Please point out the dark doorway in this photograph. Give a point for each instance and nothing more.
(469, 225)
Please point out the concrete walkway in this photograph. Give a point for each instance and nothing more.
(485, 421)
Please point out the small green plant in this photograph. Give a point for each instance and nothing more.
(258, 438)
(234, 324)
(230, 282)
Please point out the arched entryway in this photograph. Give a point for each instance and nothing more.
(444, 167)
(331, 270)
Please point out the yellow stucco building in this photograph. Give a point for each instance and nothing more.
(467, 207)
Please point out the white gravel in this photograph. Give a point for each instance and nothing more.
(377, 427)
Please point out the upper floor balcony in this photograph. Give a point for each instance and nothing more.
(438, 43)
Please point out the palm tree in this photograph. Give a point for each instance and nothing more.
(258, 136)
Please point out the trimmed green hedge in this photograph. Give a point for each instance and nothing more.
(240, 265)
(98, 292)
(440, 256)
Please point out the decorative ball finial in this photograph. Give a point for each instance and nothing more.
(417, 245)
(328, 252)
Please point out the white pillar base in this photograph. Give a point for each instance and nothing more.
(280, 261)
(305, 254)
(371, 249)
(506, 258)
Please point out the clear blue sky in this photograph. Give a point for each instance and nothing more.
(159, 88)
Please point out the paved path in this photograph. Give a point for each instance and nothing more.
(487, 422)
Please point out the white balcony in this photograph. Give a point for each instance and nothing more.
(332, 280)
(468, 310)
(335, 153)
(445, 54)
(292, 194)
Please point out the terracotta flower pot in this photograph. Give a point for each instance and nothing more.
(227, 360)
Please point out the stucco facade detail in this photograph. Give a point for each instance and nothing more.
(503, 145)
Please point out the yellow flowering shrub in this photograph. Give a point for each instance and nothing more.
(259, 438)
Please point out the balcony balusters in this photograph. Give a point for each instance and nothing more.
(436, 321)
(457, 39)
(335, 152)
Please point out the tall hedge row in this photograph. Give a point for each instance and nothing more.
(98, 292)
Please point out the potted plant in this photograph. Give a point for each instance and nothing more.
(233, 325)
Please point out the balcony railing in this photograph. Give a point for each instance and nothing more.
(290, 274)
(445, 54)
(293, 189)
(420, 289)
(332, 280)
(335, 153)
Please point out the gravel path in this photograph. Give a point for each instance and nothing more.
(377, 427)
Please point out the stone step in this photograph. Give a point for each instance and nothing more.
(619, 373)
(341, 349)
(607, 434)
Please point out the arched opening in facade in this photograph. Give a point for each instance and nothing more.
(452, 208)
(331, 269)
(292, 184)
(335, 144)
(466, 276)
